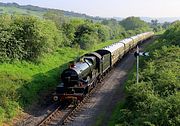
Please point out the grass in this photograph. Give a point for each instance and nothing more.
(12, 10)
(99, 120)
(115, 115)
(22, 83)
(101, 45)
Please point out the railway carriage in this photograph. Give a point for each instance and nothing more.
(128, 44)
(135, 40)
(116, 50)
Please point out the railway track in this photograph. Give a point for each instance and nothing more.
(64, 114)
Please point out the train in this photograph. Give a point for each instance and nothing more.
(83, 74)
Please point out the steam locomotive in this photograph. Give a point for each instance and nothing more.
(83, 74)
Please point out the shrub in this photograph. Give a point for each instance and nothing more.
(26, 37)
(2, 114)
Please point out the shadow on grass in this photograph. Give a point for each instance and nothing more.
(36, 95)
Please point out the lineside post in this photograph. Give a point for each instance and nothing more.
(137, 65)
(137, 54)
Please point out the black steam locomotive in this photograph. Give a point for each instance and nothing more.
(83, 74)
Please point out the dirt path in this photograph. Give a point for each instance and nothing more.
(99, 109)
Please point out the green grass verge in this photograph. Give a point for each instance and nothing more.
(21, 83)
(115, 114)
(99, 119)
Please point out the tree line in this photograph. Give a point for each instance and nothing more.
(25, 37)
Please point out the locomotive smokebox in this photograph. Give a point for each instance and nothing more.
(69, 77)
(77, 72)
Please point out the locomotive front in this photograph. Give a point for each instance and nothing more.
(75, 79)
(74, 75)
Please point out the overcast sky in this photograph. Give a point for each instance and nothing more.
(111, 8)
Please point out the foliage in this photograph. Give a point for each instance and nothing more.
(86, 35)
(103, 32)
(78, 31)
(156, 99)
(172, 35)
(157, 27)
(87, 40)
(26, 37)
(2, 115)
(166, 25)
(69, 34)
(56, 16)
(135, 23)
(115, 29)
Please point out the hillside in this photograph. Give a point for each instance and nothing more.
(12, 8)
(161, 20)
(148, 19)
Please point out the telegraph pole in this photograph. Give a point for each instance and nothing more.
(137, 65)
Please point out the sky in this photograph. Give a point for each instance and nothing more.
(111, 8)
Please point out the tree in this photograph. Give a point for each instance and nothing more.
(133, 23)
(154, 22)
(86, 35)
(115, 29)
(69, 34)
(27, 37)
(103, 32)
(172, 34)
(166, 25)
(87, 40)
(56, 16)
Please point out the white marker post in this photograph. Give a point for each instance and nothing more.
(137, 54)
(137, 67)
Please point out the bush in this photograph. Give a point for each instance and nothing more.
(103, 32)
(172, 35)
(133, 23)
(86, 35)
(2, 115)
(26, 37)
(88, 40)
